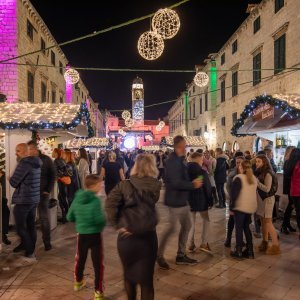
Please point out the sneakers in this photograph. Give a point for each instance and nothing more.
(98, 296)
(162, 263)
(192, 248)
(79, 285)
(273, 250)
(205, 248)
(184, 260)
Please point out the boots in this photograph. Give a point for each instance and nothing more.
(263, 246)
(5, 240)
(237, 253)
(227, 242)
(284, 230)
(273, 250)
(248, 252)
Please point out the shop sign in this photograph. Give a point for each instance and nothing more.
(263, 112)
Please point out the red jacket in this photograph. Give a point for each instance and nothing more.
(295, 181)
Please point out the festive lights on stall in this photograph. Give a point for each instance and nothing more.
(201, 79)
(91, 142)
(71, 76)
(191, 141)
(151, 45)
(160, 126)
(122, 132)
(34, 116)
(288, 104)
(126, 115)
(149, 137)
(166, 22)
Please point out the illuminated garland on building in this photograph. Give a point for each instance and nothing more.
(293, 112)
(81, 115)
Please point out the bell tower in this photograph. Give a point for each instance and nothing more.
(138, 101)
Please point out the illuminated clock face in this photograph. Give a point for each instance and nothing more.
(138, 94)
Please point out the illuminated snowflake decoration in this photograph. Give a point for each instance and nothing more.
(151, 45)
(71, 76)
(166, 22)
(129, 122)
(158, 128)
(201, 79)
(149, 137)
(122, 132)
(126, 114)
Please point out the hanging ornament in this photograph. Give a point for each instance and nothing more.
(162, 124)
(151, 45)
(129, 122)
(201, 79)
(126, 115)
(158, 128)
(122, 132)
(166, 22)
(71, 76)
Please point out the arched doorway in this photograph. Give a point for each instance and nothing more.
(235, 146)
(224, 147)
(257, 145)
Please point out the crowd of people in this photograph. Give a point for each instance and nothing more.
(194, 182)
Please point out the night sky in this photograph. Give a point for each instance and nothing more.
(205, 27)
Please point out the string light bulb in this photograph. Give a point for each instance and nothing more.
(151, 45)
(129, 122)
(71, 76)
(166, 22)
(201, 79)
(126, 115)
(162, 124)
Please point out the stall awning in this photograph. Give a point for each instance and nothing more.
(44, 116)
(88, 143)
(191, 141)
(268, 113)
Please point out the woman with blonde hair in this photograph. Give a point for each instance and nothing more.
(112, 172)
(130, 208)
(83, 166)
(243, 204)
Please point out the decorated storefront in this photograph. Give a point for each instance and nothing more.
(192, 142)
(274, 120)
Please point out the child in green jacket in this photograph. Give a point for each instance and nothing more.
(86, 211)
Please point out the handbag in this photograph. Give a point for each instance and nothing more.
(65, 180)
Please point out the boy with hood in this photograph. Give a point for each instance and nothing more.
(86, 211)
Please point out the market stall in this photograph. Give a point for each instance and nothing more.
(192, 142)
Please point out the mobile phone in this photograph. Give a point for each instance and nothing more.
(200, 177)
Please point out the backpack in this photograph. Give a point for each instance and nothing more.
(139, 213)
(273, 190)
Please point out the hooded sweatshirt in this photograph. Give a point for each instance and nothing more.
(86, 211)
(27, 180)
(122, 193)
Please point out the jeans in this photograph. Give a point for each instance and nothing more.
(296, 202)
(161, 174)
(288, 213)
(62, 198)
(242, 222)
(84, 243)
(182, 214)
(221, 193)
(25, 224)
(230, 227)
(205, 227)
(43, 214)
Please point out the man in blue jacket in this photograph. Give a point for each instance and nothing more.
(26, 181)
(178, 187)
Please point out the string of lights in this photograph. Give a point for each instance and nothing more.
(91, 35)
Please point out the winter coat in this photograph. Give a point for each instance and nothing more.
(122, 193)
(243, 195)
(60, 167)
(286, 179)
(87, 213)
(221, 169)
(27, 181)
(177, 182)
(83, 171)
(200, 199)
(295, 181)
(230, 177)
(48, 174)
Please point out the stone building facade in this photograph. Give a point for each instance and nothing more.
(268, 39)
(21, 80)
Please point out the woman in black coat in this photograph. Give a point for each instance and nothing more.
(200, 201)
(286, 225)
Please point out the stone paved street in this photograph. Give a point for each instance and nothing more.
(216, 277)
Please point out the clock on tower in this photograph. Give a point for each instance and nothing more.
(138, 100)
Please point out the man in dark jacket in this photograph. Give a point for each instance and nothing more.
(26, 181)
(178, 187)
(48, 175)
(220, 176)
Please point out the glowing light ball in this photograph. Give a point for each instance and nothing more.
(126, 115)
(129, 142)
(166, 22)
(151, 45)
(129, 122)
(71, 76)
(161, 124)
(201, 79)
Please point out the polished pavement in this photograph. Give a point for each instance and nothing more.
(217, 276)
